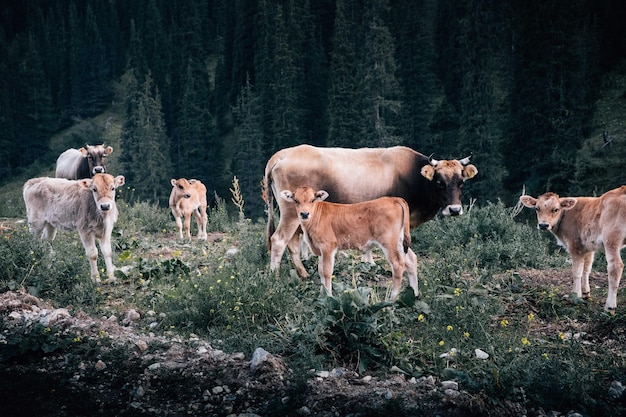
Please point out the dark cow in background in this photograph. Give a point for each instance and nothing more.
(87, 206)
(584, 225)
(75, 164)
(356, 175)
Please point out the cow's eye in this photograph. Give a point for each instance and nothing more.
(554, 210)
(440, 184)
(180, 187)
(94, 189)
(537, 209)
(296, 201)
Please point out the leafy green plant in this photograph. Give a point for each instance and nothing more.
(351, 326)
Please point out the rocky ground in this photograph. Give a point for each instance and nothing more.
(54, 363)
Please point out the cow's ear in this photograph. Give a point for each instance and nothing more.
(469, 171)
(567, 202)
(287, 195)
(321, 195)
(86, 183)
(192, 181)
(173, 181)
(428, 172)
(83, 151)
(108, 150)
(528, 201)
(119, 181)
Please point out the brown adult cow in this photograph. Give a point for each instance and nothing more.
(329, 227)
(584, 225)
(87, 206)
(357, 175)
(189, 197)
(75, 164)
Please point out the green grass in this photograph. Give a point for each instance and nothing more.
(544, 350)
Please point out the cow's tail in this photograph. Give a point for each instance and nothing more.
(268, 197)
(406, 221)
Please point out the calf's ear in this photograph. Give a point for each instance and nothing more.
(428, 172)
(469, 171)
(321, 195)
(528, 201)
(287, 195)
(567, 202)
(86, 183)
(108, 150)
(173, 182)
(119, 181)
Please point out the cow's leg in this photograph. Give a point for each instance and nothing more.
(188, 225)
(49, 232)
(89, 242)
(411, 269)
(588, 263)
(179, 226)
(107, 254)
(202, 222)
(615, 268)
(325, 268)
(367, 257)
(578, 262)
(398, 266)
(284, 235)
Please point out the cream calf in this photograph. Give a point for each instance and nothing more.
(87, 206)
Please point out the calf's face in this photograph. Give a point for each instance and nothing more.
(549, 208)
(182, 187)
(304, 199)
(103, 187)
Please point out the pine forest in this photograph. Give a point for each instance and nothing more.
(534, 90)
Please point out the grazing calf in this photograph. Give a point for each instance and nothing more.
(187, 197)
(75, 164)
(87, 206)
(583, 225)
(329, 227)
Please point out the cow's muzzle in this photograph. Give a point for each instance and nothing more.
(453, 210)
(543, 226)
(105, 206)
(99, 170)
(304, 215)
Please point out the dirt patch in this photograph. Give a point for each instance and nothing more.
(57, 363)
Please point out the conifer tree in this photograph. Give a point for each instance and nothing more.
(344, 120)
(145, 144)
(247, 165)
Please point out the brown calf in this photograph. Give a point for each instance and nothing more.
(583, 225)
(329, 227)
(189, 197)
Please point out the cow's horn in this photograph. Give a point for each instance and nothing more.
(466, 160)
(432, 161)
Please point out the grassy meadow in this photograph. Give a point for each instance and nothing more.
(494, 311)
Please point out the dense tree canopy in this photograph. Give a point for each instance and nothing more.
(209, 89)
